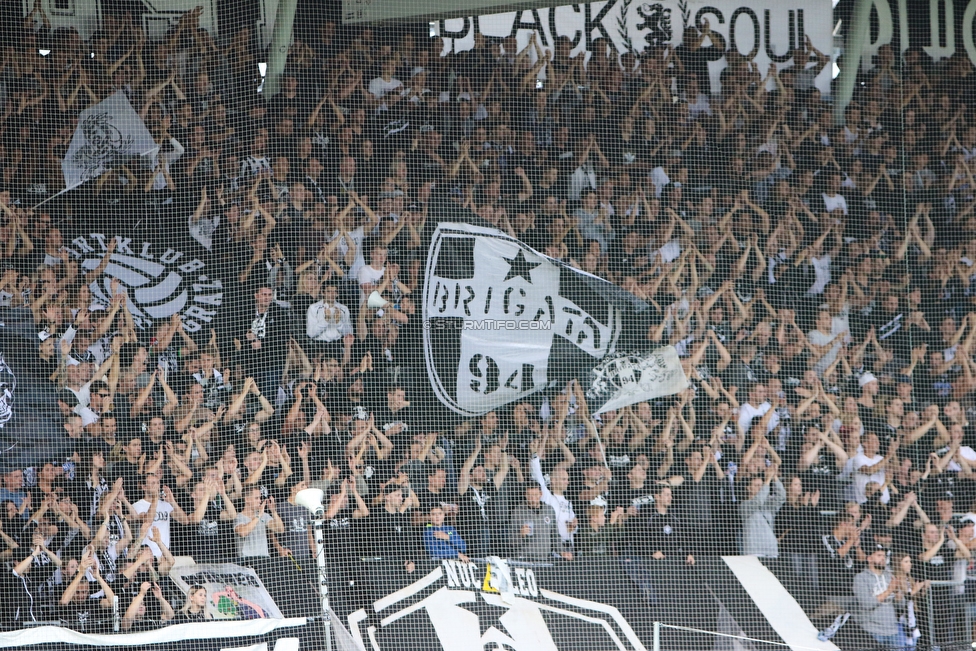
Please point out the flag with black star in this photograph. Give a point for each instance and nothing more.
(519, 267)
(503, 321)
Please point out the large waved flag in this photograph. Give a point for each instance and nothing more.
(503, 321)
(107, 133)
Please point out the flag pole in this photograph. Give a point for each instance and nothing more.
(53, 196)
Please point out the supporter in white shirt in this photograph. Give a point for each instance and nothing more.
(832, 198)
(383, 89)
(556, 498)
(660, 178)
(164, 507)
(756, 407)
(869, 466)
(963, 453)
(327, 320)
(371, 275)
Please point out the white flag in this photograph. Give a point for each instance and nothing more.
(623, 379)
(503, 321)
(106, 133)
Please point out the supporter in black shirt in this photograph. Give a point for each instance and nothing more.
(129, 469)
(346, 521)
(483, 502)
(397, 538)
(143, 616)
(396, 418)
(210, 517)
(695, 57)
(657, 533)
(262, 331)
(195, 608)
(636, 493)
(33, 566)
(697, 501)
(841, 557)
(435, 493)
(79, 608)
(799, 538)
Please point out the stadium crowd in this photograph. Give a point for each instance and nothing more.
(815, 279)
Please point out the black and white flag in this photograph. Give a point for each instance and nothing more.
(502, 321)
(106, 134)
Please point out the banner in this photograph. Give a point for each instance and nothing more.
(939, 29)
(158, 279)
(601, 602)
(31, 426)
(234, 592)
(763, 31)
(156, 18)
(452, 606)
(503, 321)
(608, 603)
(106, 134)
(159, 276)
(208, 636)
(626, 378)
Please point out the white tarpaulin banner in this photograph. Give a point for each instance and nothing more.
(234, 592)
(107, 133)
(764, 31)
(25, 637)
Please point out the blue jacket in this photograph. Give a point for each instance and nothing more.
(438, 548)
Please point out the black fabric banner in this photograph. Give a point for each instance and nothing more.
(161, 273)
(592, 604)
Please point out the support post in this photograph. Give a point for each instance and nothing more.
(280, 41)
(857, 34)
(323, 580)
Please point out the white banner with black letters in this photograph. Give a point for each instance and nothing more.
(106, 135)
(503, 321)
(765, 32)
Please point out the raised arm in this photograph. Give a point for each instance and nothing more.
(465, 477)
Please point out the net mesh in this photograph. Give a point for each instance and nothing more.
(561, 323)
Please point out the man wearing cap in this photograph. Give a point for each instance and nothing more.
(869, 389)
(876, 591)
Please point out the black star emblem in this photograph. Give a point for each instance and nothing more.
(519, 266)
(487, 613)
